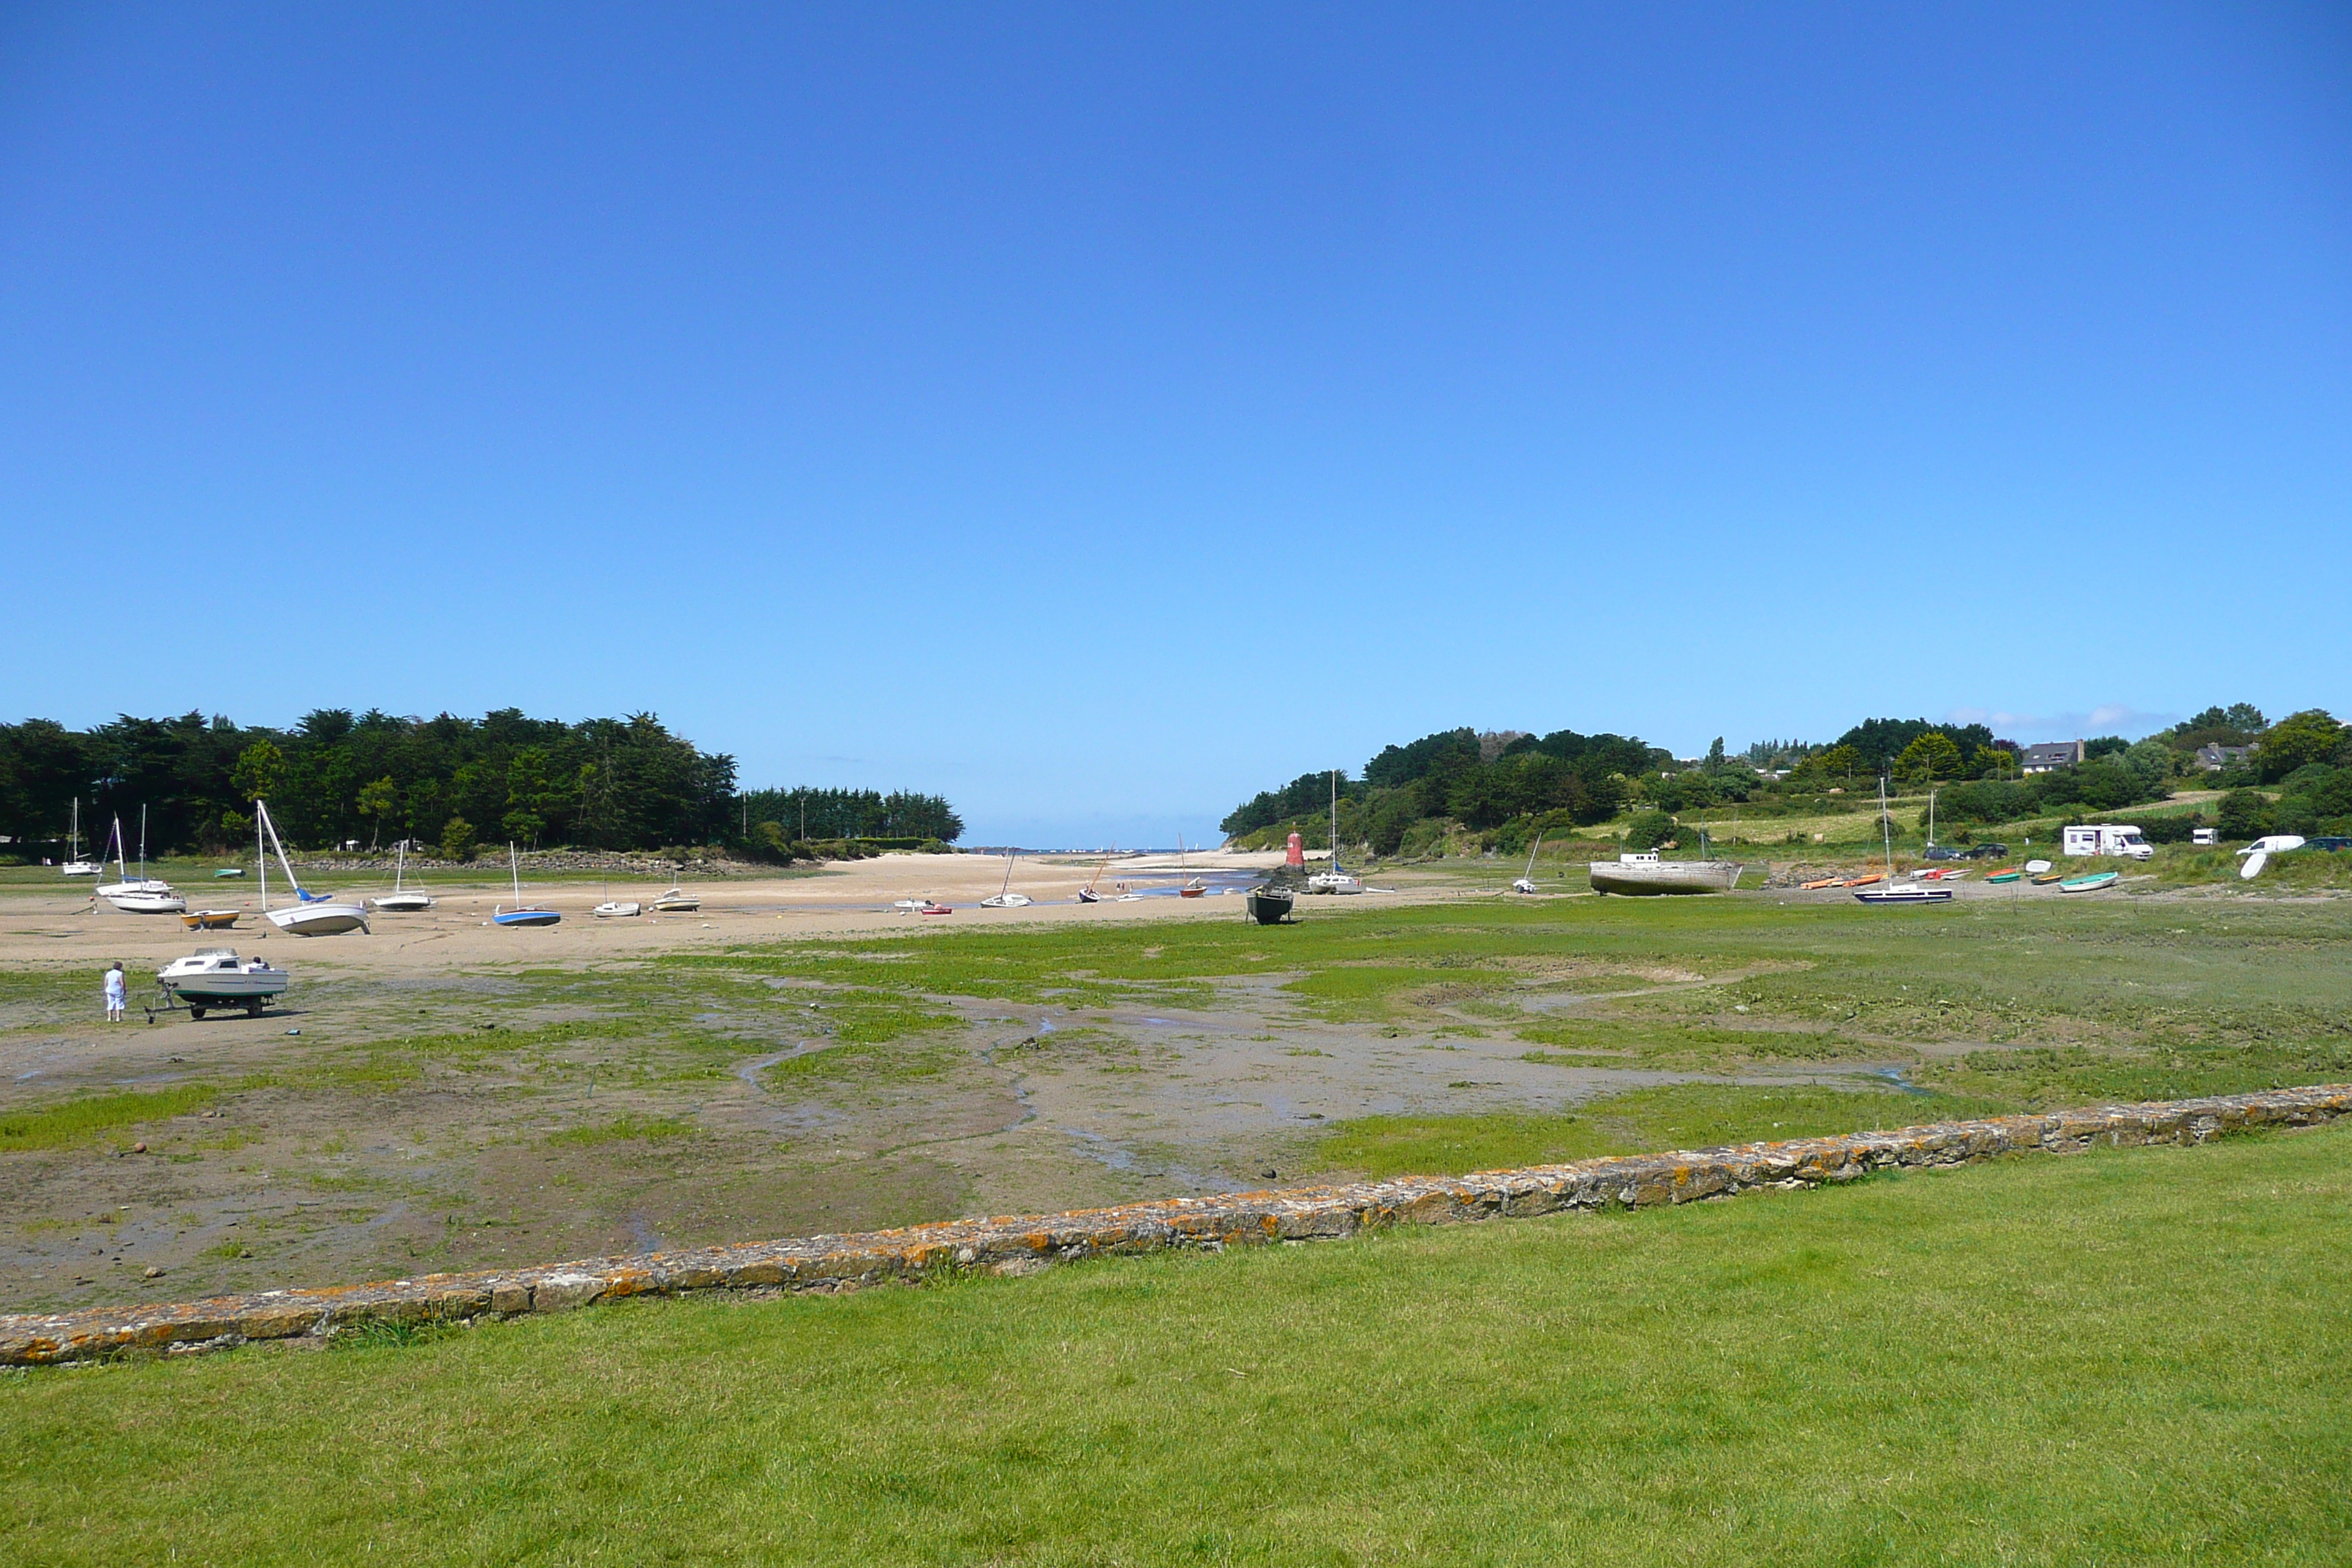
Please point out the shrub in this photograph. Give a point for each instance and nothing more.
(1648, 829)
(2243, 814)
(458, 840)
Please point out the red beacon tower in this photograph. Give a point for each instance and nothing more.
(1296, 854)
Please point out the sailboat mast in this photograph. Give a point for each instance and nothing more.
(142, 840)
(261, 856)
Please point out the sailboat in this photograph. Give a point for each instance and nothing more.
(1006, 897)
(617, 908)
(1193, 886)
(310, 914)
(75, 866)
(400, 901)
(1086, 895)
(522, 914)
(144, 895)
(1908, 893)
(1337, 879)
(1526, 882)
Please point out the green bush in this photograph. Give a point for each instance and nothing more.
(458, 840)
(2243, 814)
(1648, 829)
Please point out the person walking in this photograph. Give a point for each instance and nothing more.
(117, 997)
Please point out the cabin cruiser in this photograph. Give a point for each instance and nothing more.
(214, 979)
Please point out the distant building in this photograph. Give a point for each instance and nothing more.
(2050, 756)
(2213, 759)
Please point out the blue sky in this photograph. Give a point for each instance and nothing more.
(1098, 414)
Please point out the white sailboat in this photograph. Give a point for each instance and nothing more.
(1337, 879)
(617, 908)
(1004, 897)
(311, 914)
(1526, 882)
(75, 866)
(142, 895)
(1914, 892)
(401, 900)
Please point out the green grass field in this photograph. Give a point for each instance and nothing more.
(2126, 1357)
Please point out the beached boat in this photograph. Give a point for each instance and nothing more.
(1898, 894)
(403, 900)
(143, 894)
(2006, 874)
(935, 909)
(1337, 879)
(1647, 872)
(1086, 895)
(522, 914)
(677, 902)
(1270, 906)
(2043, 878)
(311, 914)
(2089, 882)
(617, 910)
(213, 978)
(75, 865)
(209, 920)
(1526, 882)
(1005, 898)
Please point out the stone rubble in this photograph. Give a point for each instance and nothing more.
(1024, 1244)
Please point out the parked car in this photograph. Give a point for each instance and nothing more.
(1941, 852)
(2330, 842)
(1987, 852)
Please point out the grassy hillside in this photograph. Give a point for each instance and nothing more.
(2124, 1357)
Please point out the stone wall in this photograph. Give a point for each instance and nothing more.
(1025, 1243)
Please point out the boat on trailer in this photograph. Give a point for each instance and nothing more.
(212, 979)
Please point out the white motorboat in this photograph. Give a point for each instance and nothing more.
(143, 894)
(1006, 897)
(403, 901)
(617, 909)
(677, 902)
(312, 914)
(1337, 879)
(213, 978)
(75, 865)
(1527, 881)
(1647, 872)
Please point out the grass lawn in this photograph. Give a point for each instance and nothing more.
(2122, 1357)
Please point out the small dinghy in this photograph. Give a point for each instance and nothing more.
(227, 872)
(209, 920)
(2006, 874)
(1818, 883)
(1862, 881)
(1270, 905)
(522, 914)
(2089, 882)
(931, 909)
(211, 978)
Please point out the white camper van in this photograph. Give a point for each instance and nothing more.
(2102, 839)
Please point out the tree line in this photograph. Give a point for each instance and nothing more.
(446, 783)
(1508, 784)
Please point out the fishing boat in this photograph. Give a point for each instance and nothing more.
(522, 914)
(1895, 894)
(403, 900)
(75, 865)
(677, 902)
(209, 920)
(1005, 898)
(1527, 881)
(2089, 882)
(214, 979)
(1647, 872)
(311, 914)
(1270, 905)
(1337, 879)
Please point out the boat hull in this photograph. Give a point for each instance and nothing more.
(1653, 876)
(403, 903)
(2090, 884)
(319, 920)
(1269, 906)
(1007, 902)
(525, 917)
(617, 910)
(148, 903)
(209, 920)
(1882, 897)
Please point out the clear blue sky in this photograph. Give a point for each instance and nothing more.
(1096, 414)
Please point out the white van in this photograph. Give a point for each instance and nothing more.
(2102, 839)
